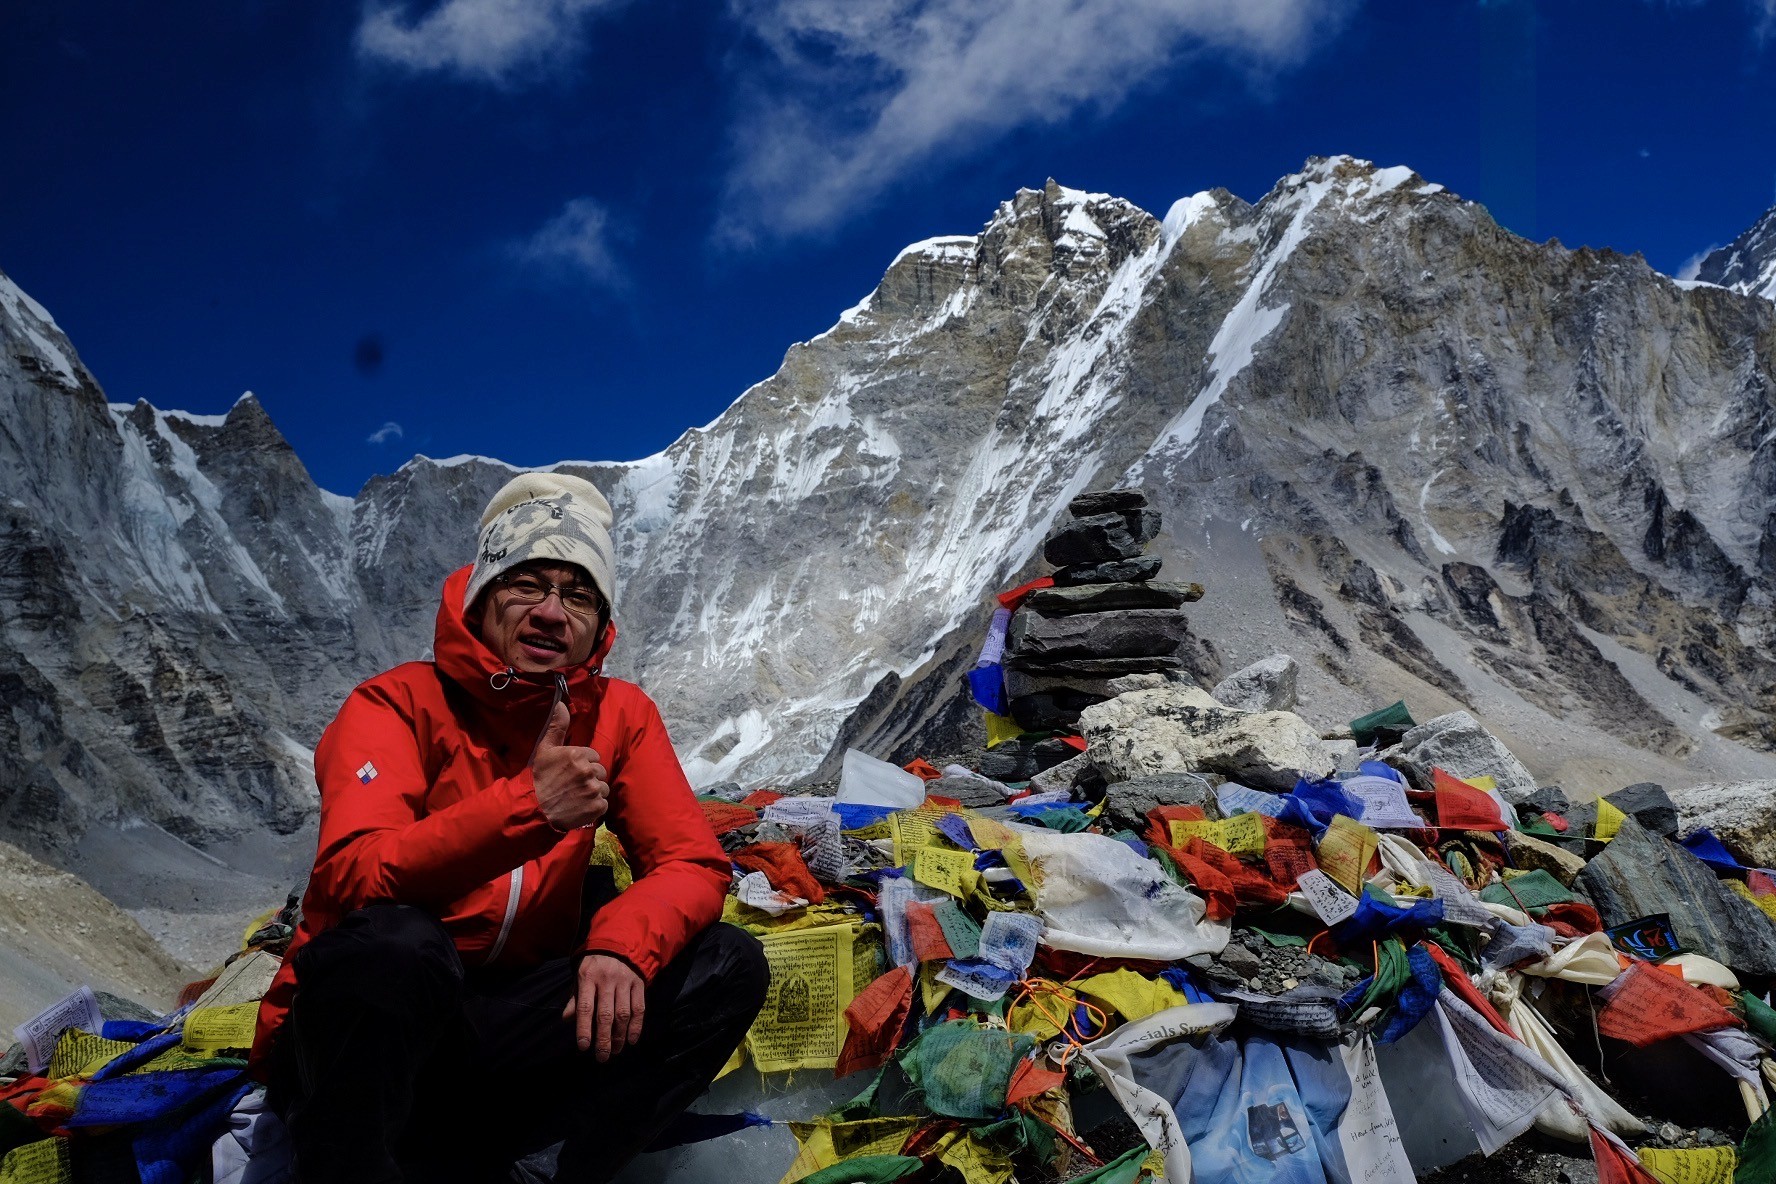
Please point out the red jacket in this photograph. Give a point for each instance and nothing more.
(427, 799)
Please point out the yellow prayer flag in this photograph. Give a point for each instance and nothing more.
(1133, 995)
(913, 831)
(45, 1161)
(1345, 851)
(1690, 1165)
(931, 992)
(1609, 821)
(1001, 728)
(214, 1030)
(1035, 1015)
(1241, 835)
(947, 871)
(802, 1024)
(736, 1059)
(825, 1143)
(977, 1162)
(1766, 903)
(80, 1054)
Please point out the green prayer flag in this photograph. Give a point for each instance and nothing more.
(1532, 890)
(1757, 1154)
(1124, 1169)
(961, 931)
(1392, 716)
(866, 1169)
(1760, 1017)
(963, 1070)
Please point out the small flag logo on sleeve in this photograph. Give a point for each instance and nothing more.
(367, 774)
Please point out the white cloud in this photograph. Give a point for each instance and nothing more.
(851, 96)
(484, 40)
(1692, 267)
(575, 243)
(1765, 11)
(388, 431)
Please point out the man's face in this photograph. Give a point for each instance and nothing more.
(535, 635)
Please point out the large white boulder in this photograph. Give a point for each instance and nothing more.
(1741, 813)
(1181, 729)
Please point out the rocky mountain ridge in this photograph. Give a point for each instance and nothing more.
(1436, 460)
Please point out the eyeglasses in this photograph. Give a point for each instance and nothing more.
(524, 588)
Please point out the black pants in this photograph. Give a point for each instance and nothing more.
(397, 1065)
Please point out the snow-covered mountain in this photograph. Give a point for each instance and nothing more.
(1748, 263)
(1431, 459)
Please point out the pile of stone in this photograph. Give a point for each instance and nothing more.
(1106, 626)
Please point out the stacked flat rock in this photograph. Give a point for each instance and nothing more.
(1105, 620)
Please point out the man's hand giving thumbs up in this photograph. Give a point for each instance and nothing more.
(570, 780)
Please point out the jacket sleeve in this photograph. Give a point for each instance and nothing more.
(378, 841)
(681, 871)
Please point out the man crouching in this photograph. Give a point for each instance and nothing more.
(457, 995)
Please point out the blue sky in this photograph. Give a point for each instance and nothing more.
(541, 229)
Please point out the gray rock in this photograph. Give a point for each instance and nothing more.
(1266, 685)
(1123, 684)
(1100, 538)
(116, 1007)
(1126, 803)
(1106, 501)
(1093, 598)
(1022, 759)
(1640, 873)
(1649, 805)
(1547, 799)
(1057, 708)
(1529, 853)
(973, 792)
(1456, 743)
(1741, 813)
(1240, 960)
(1181, 729)
(1073, 773)
(1123, 633)
(727, 791)
(1142, 567)
(1090, 668)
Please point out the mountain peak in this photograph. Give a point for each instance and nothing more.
(1748, 263)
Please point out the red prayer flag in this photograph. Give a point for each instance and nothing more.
(875, 1019)
(725, 816)
(1457, 980)
(1016, 596)
(922, 768)
(1616, 1165)
(927, 936)
(1462, 807)
(1649, 1006)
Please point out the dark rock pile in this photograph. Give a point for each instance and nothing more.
(1105, 623)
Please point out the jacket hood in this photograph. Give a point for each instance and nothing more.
(466, 660)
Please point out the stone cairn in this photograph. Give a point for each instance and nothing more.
(1107, 626)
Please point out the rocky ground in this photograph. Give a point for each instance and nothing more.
(57, 933)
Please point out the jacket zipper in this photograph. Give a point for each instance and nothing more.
(516, 888)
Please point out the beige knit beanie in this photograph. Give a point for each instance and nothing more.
(545, 516)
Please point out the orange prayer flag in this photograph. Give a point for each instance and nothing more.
(1031, 1077)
